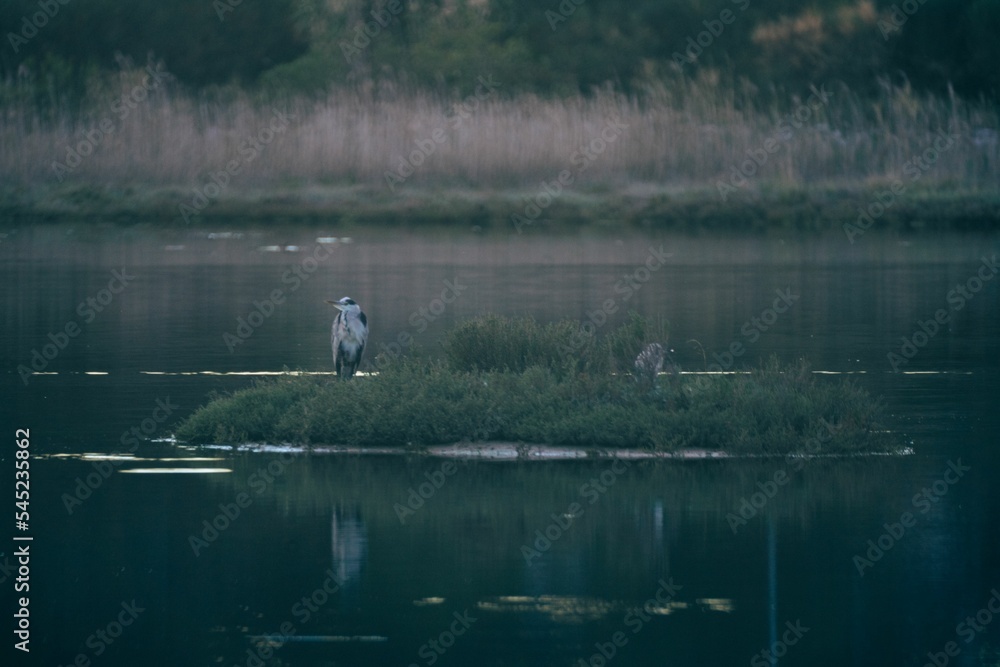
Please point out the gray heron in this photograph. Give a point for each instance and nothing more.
(651, 361)
(348, 336)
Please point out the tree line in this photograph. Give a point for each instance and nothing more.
(545, 47)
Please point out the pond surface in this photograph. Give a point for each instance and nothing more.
(238, 558)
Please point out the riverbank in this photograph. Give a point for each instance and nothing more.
(890, 206)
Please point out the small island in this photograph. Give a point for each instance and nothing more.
(560, 385)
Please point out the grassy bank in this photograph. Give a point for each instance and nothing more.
(693, 154)
(637, 207)
(514, 380)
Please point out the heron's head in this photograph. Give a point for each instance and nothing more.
(346, 304)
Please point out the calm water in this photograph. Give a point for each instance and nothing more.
(655, 571)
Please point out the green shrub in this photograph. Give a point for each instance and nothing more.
(495, 343)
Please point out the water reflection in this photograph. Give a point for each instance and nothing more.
(460, 552)
(349, 550)
(402, 583)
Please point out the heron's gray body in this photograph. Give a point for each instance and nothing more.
(348, 337)
(653, 359)
(649, 363)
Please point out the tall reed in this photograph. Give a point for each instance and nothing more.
(685, 133)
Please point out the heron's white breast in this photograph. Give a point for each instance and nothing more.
(352, 330)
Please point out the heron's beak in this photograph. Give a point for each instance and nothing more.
(335, 304)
